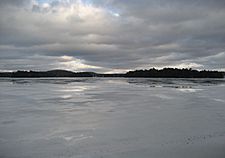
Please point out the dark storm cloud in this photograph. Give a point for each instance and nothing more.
(112, 35)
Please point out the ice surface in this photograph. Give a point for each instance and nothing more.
(112, 118)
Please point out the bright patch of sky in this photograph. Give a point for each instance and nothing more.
(66, 1)
(44, 1)
(110, 10)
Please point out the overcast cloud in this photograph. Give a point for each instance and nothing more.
(111, 35)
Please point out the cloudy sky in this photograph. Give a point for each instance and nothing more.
(111, 35)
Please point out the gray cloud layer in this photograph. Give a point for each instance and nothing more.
(111, 35)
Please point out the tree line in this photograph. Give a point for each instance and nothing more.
(150, 73)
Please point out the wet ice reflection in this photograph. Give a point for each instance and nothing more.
(112, 117)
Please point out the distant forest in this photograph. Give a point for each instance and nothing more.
(175, 73)
(151, 73)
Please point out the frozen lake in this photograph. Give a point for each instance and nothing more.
(112, 118)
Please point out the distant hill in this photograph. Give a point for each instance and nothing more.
(51, 73)
(151, 73)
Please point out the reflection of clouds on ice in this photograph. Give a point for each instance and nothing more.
(163, 96)
(66, 96)
(175, 82)
(189, 90)
(219, 100)
(76, 138)
(117, 81)
(103, 117)
(68, 138)
(76, 88)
